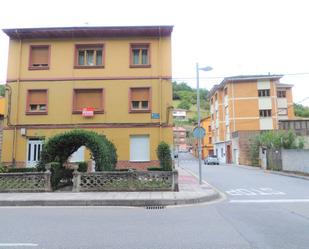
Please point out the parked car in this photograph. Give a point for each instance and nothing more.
(211, 159)
(175, 152)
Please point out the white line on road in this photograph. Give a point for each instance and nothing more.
(271, 201)
(18, 244)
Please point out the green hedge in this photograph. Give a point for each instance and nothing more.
(21, 170)
(164, 156)
(60, 147)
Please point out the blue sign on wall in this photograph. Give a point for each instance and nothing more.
(155, 115)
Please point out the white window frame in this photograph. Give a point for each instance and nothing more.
(139, 148)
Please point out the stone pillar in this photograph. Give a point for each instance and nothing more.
(76, 179)
(175, 186)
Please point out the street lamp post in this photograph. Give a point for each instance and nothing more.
(199, 148)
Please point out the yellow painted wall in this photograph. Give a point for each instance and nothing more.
(119, 136)
(62, 78)
(116, 102)
(117, 55)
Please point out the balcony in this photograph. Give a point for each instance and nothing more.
(217, 123)
(227, 120)
(216, 105)
(226, 100)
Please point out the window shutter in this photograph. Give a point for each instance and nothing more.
(37, 97)
(139, 148)
(140, 94)
(39, 55)
(88, 98)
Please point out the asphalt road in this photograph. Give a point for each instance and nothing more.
(264, 216)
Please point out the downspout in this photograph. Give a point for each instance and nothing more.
(17, 105)
(160, 86)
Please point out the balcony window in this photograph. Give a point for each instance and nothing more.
(281, 94)
(264, 93)
(265, 113)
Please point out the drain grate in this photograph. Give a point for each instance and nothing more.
(155, 207)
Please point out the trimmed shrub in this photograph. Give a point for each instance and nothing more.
(154, 169)
(3, 169)
(58, 174)
(22, 170)
(60, 147)
(164, 156)
(82, 166)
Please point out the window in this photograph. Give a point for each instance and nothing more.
(39, 57)
(225, 91)
(222, 152)
(264, 93)
(89, 56)
(36, 102)
(139, 148)
(140, 99)
(140, 55)
(211, 101)
(265, 113)
(209, 128)
(281, 94)
(83, 98)
(282, 111)
(210, 140)
(216, 96)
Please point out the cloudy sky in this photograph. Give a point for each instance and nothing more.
(233, 36)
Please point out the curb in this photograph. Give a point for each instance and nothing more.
(283, 173)
(133, 203)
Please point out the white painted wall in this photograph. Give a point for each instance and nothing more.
(263, 84)
(282, 103)
(221, 148)
(265, 103)
(266, 123)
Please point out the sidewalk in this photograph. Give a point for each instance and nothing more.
(190, 192)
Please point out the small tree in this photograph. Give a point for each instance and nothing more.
(164, 156)
(184, 104)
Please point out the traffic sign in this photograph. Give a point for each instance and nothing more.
(199, 132)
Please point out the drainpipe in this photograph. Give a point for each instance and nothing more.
(17, 105)
(160, 85)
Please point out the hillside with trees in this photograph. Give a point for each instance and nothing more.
(301, 111)
(184, 97)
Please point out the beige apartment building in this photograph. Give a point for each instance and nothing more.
(242, 106)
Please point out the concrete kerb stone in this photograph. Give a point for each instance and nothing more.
(114, 202)
(283, 173)
(141, 199)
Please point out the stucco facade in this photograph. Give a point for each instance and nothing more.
(246, 103)
(125, 71)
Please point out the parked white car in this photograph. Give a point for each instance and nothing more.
(211, 159)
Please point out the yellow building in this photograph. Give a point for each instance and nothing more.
(243, 105)
(115, 81)
(206, 143)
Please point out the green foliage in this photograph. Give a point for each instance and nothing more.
(3, 168)
(164, 156)
(154, 168)
(2, 90)
(274, 140)
(61, 146)
(184, 105)
(82, 166)
(21, 170)
(59, 173)
(301, 111)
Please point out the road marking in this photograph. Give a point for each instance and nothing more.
(271, 201)
(18, 244)
(254, 191)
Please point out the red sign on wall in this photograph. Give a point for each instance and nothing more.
(88, 112)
